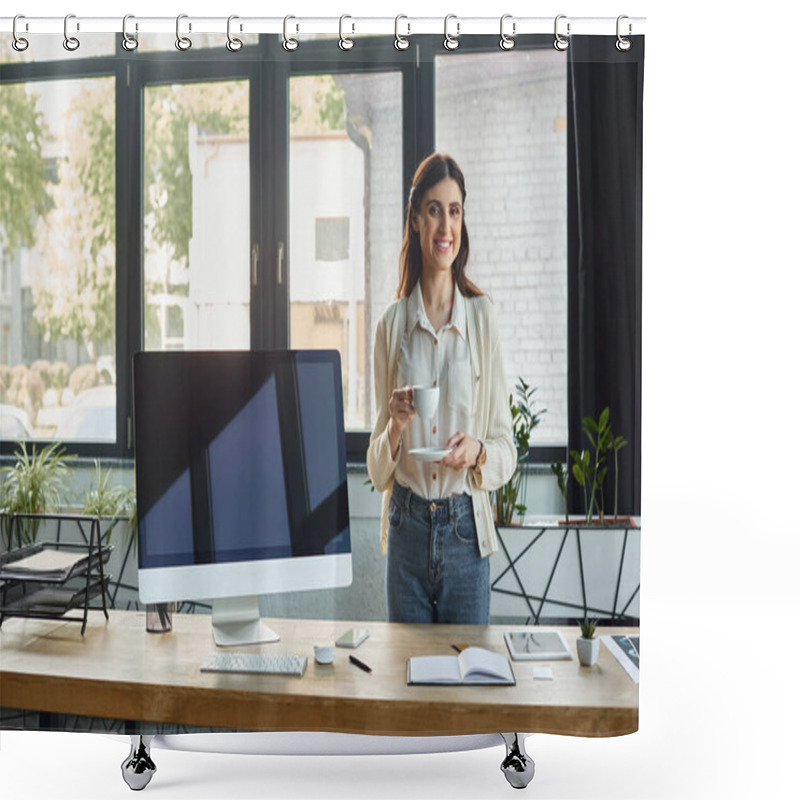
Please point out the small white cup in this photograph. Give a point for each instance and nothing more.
(323, 653)
(426, 400)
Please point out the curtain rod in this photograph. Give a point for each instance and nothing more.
(348, 25)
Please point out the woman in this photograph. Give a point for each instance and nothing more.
(437, 522)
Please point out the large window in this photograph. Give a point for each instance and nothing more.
(197, 216)
(208, 200)
(58, 319)
(346, 183)
(502, 116)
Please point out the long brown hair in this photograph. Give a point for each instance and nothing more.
(436, 167)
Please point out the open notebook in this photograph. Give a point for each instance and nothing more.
(474, 665)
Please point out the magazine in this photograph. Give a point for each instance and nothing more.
(626, 650)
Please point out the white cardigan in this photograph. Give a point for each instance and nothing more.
(491, 416)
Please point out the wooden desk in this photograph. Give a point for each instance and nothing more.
(120, 671)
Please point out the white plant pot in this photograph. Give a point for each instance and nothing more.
(588, 650)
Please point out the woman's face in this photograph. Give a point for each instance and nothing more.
(438, 224)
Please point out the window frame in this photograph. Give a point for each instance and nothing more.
(374, 54)
(538, 455)
(160, 69)
(72, 69)
(269, 72)
(419, 132)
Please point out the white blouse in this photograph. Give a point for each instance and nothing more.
(440, 359)
(491, 416)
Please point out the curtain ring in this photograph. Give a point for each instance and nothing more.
(560, 42)
(289, 43)
(506, 41)
(183, 43)
(233, 44)
(451, 42)
(19, 43)
(400, 42)
(70, 42)
(129, 43)
(623, 44)
(345, 43)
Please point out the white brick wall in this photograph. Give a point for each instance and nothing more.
(497, 114)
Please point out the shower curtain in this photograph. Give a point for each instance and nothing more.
(209, 196)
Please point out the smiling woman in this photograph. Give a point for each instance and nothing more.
(437, 522)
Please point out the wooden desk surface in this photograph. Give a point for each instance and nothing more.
(120, 671)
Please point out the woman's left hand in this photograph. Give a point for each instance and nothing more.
(464, 452)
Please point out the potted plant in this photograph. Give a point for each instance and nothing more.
(588, 645)
(114, 502)
(35, 483)
(585, 475)
(590, 467)
(562, 477)
(616, 444)
(509, 499)
(104, 499)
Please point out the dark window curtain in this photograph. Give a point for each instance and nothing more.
(604, 89)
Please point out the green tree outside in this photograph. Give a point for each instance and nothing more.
(215, 108)
(75, 294)
(23, 175)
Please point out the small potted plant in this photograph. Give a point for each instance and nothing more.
(588, 645)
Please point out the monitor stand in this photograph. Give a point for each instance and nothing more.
(237, 621)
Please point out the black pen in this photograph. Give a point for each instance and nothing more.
(360, 664)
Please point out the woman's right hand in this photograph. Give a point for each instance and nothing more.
(401, 410)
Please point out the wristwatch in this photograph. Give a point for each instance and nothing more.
(479, 461)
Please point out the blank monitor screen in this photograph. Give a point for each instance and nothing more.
(240, 457)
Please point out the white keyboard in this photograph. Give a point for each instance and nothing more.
(261, 663)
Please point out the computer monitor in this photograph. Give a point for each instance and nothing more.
(241, 481)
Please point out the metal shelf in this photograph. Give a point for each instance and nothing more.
(52, 594)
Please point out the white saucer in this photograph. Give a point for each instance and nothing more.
(429, 453)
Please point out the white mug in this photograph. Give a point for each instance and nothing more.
(323, 653)
(426, 400)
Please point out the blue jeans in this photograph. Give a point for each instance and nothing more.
(434, 570)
